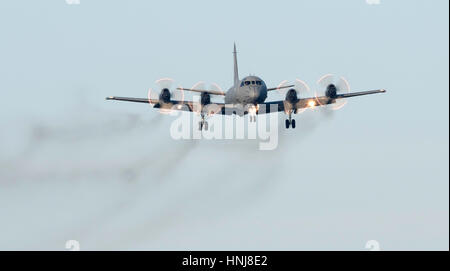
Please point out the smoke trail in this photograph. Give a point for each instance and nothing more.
(243, 193)
(152, 166)
(47, 141)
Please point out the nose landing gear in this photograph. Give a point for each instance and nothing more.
(252, 112)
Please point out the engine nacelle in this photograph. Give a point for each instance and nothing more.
(205, 98)
(331, 91)
(164, 96)
(291, 96)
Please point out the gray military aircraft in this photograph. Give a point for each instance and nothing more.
(246, 96)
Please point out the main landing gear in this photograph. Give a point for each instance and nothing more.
(203, 124)
(290, 122)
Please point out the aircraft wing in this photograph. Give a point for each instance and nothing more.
(279, 106)
(172, 105)
(226, 109)
(136, 100)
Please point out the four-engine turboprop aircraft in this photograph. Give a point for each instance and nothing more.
(246, 96)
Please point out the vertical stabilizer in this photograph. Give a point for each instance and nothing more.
(236, 73)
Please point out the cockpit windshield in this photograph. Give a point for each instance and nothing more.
(247, 83)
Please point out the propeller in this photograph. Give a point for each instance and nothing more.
(165, 94)
(333, 86)
(205, 98)
(293, 94)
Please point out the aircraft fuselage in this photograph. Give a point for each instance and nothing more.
(251, 90)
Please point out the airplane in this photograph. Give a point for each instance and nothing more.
(245, 96)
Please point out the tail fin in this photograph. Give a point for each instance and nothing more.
(236, 73)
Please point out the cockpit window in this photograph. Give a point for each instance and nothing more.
(258, 83)
(242, 83)
(253, 82)
(247, 83)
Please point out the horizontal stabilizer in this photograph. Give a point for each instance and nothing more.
(269, 89)
(212, 92)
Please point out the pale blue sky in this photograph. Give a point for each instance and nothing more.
(73, 166)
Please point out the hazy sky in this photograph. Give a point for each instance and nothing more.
(74, 166)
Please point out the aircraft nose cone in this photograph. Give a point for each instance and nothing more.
(253, 92)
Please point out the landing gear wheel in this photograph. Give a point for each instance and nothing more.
(200, 126)
(288, 123)
(206, 126)
(293, 124)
